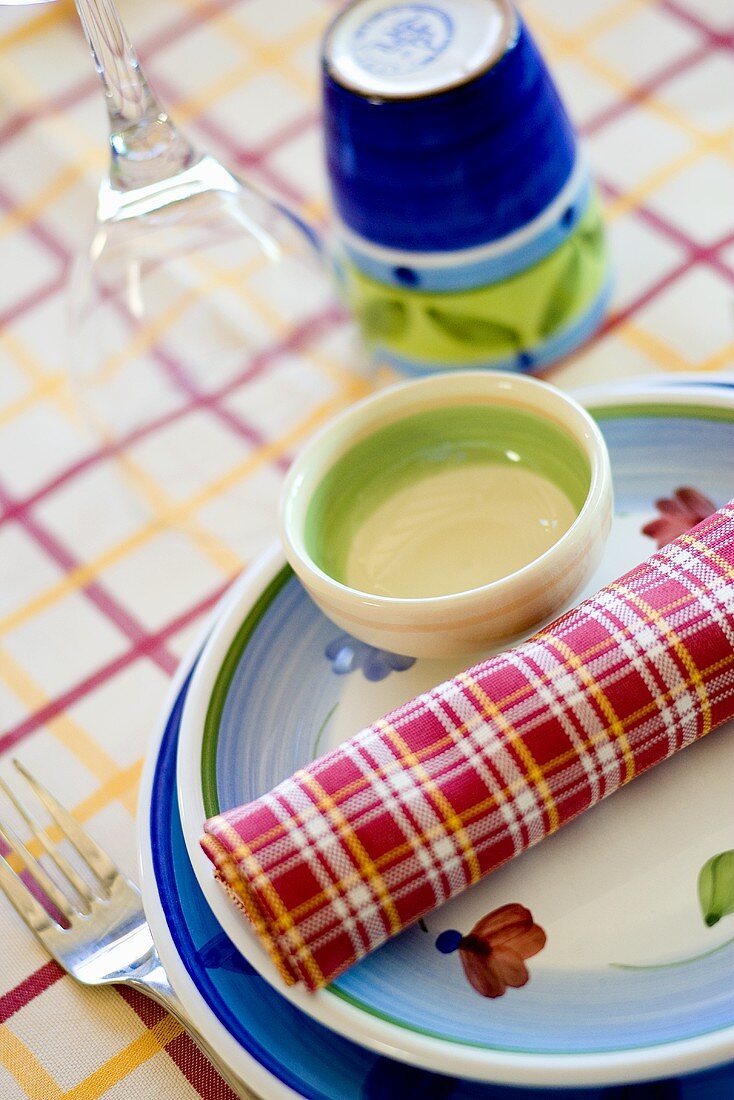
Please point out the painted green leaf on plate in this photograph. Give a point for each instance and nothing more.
(384, 317)
(716, 887)
(563, 298)
(481, 332)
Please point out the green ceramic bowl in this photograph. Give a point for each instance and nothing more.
(390, 515)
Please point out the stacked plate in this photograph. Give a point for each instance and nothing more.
(633, 984)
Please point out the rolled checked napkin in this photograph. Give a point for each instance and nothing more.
(416, 808)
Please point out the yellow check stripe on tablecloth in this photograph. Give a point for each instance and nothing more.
(37, 1082)
(26, 1068)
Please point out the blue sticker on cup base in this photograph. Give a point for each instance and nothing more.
(401, 40)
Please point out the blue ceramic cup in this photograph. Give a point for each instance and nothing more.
(468, 232)
(444, 130)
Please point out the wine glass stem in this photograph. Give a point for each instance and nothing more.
(145, 146)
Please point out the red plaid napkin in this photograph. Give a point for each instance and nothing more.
(411, 811)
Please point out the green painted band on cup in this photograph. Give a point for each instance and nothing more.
(498, 322)
(410, 449)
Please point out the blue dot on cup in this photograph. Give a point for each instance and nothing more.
(407, 276)
(569, 217)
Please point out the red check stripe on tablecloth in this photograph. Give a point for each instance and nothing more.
(145, 644)
(32, 986)
(195, 1067)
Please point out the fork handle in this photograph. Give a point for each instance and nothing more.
(155, 984)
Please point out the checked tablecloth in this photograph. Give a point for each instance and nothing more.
(97, 603)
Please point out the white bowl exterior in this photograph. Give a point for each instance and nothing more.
(497, 619)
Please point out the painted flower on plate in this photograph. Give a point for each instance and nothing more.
(678, 514)
(494, 953)
(347, 654)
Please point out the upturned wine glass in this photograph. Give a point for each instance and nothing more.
(194, 279)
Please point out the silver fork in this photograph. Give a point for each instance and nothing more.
(107, 940)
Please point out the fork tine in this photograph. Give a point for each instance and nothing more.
(69, 873)
(23, 901)
(97, 860)
(36, 871)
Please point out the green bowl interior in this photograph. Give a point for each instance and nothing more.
(426, 442)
